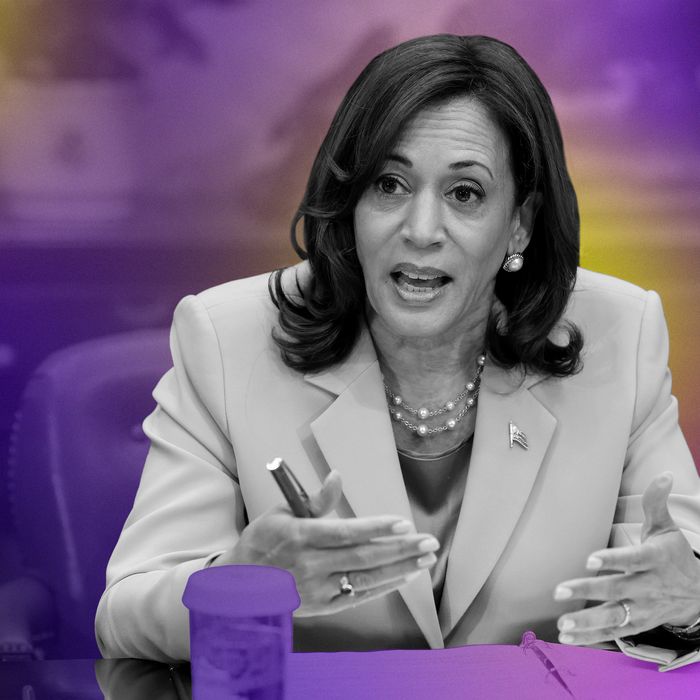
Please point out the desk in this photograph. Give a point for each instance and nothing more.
(483, 672)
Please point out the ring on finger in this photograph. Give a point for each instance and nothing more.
(628, 612)
(346, 588)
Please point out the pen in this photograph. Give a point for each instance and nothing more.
(529, 641)
(292, 490)
(180, 686)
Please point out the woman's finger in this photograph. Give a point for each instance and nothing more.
(370, 585)
(368, 579)
(634, 557)
(379, 553)
(343, 602)
(657, 519)
(611, 587)
(328, 496)
(605, 622)
(344, 532)
(326, 596)
(607, 616)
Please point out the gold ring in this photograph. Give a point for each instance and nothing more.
(628, 612)
(346, 588)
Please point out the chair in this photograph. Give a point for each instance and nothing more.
(75, 463)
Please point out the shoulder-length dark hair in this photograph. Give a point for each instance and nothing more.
(320, 324)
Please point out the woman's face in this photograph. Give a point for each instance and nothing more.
(434, 227)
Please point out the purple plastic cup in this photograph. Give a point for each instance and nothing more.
(240, 631)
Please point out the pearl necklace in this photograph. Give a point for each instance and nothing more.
(397, 407)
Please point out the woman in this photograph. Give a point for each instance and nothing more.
(482, 416)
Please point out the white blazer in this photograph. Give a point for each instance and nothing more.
(529, 518)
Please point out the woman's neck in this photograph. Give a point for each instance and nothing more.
(416, 364)
(429, 372)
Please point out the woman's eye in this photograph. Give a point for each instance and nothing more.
(388, 184)
(465, 193)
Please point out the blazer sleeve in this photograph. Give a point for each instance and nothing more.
(656, 444)
(188, 508)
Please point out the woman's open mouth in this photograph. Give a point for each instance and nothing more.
(419, 284)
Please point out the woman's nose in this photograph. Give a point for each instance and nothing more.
(423, 225)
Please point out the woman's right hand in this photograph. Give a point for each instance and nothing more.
(378, 554)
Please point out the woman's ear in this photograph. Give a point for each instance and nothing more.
(524, 222)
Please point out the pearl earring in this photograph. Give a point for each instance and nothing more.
(513, 262)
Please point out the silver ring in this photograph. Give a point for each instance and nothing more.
(346, 588)
(628, 612)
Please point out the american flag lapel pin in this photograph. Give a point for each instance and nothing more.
(517, 435)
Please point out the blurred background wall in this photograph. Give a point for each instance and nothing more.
(152, 148)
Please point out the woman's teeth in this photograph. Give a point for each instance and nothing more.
(419, 288)
(416, 282)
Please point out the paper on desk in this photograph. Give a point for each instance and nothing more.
(667, 659)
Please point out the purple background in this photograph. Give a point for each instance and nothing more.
(152, 148)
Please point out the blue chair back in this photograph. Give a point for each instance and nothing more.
(76, 459)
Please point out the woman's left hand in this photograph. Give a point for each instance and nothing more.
(659, 583)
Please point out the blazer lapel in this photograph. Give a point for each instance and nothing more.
(356, 438)
(499, 483)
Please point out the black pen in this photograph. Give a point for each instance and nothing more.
(293, 491)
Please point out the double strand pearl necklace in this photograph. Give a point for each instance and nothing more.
(397, 406)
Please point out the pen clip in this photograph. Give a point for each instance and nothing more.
(294, 493)
(297, 485)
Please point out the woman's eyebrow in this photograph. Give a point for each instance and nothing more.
(468, 164)
(398, 158)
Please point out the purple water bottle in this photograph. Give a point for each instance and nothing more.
(240, 631)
